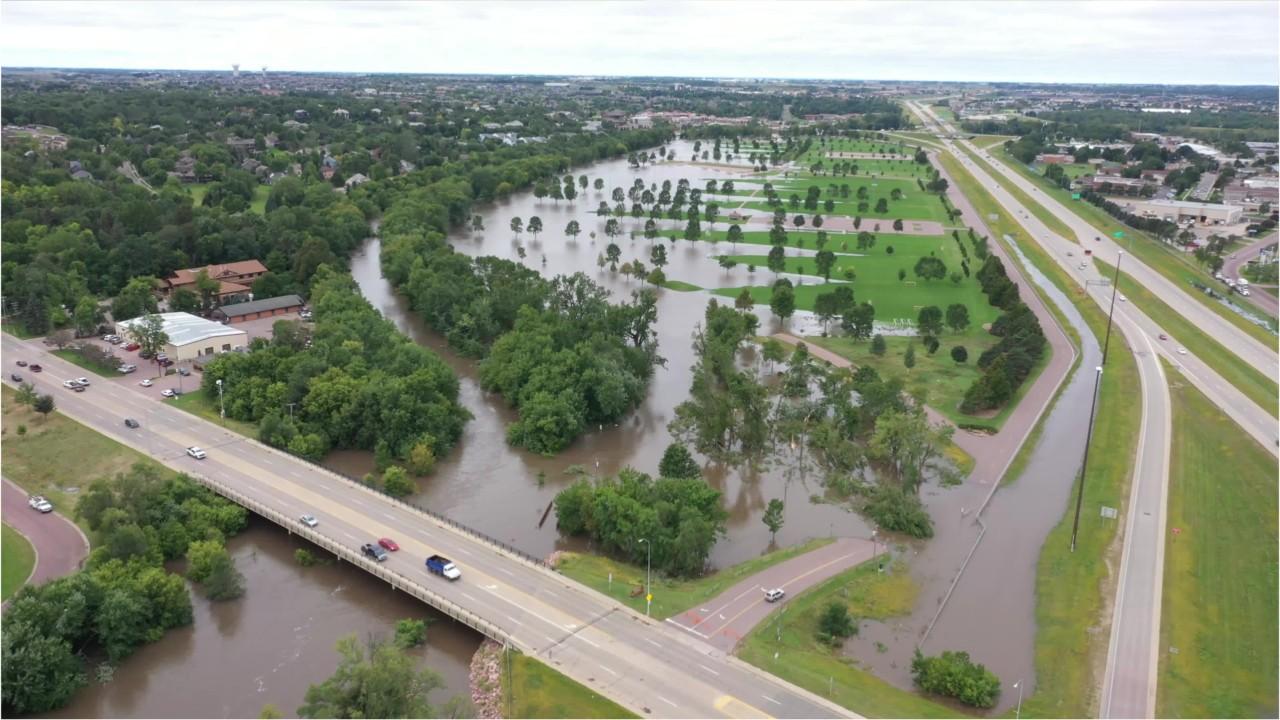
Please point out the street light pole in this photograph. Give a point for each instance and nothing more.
(1084, 466)
(222, 408)
(1018, 714)
(1115, 285)
(648, 576)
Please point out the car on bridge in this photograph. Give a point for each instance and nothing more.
(309, 520)
(389, 544)
(443, 566)
(375, 551)
(196, 453)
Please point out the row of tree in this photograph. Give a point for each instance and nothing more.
(1008, 363)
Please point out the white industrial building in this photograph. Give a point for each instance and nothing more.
(1182, 211)
(192, 337)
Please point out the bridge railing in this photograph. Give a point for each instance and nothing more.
(396, 579)
(489, 539)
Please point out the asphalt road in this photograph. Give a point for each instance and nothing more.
(726, 618)
(60, 546)
(1264, 299)
(1129, 684)
(647, 666)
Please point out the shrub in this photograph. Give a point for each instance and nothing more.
(894, 509)
(397, 483)
(411, 633)
(953, 674)
(305, 557)
(877, 345)
(677, 462)
(959, 353)
(834, 625)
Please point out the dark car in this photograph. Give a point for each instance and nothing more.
(22, 363)
(15, 377)
(36, 368)
(374, 551)
(131, 423)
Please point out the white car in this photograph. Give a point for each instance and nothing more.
(309, 520)
(126, 368)
(168, 392)
(1123, 298)
(1182, 351)
(146, 382)
(83, 381)
(774, 595)
(196, 452)
(39, 503)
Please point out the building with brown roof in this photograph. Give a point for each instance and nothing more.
(235, 279)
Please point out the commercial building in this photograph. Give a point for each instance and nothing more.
(192, 337)
(269, 307)
(1181, 211)
(235, 279)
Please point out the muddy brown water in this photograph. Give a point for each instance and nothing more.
(271, 644)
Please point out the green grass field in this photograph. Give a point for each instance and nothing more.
(17, 558)
(197, 403)
(1178, 267)
(915, 204)
(1245, 377)
(1220, 584)
(901, 167)
(1072, 588)
(801, 659)
(74, 358)
(258, 204)
(39, 462)
(538, 691)
(670, 597)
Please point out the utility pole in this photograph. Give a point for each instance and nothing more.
(1115, 283)
(1084, 467)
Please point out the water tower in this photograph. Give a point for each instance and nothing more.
(235, 70)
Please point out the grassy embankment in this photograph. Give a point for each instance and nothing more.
(1220, 584)
(538, 691)
(1180, 268)
(39, 460)
(75, 358)
(1256, 386)
(670, 596)
(17, 558)
(1072, 589)
(206, 408)
(803, 660)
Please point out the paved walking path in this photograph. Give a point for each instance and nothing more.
(725, 619)
(60, 546)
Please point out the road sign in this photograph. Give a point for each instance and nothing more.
(1075, 196)
(1119, 234)
(648, 598)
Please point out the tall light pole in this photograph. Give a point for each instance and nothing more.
(1018, 714)
(1115, 286)
(222, 408)
(648, 588)
(1084, 466)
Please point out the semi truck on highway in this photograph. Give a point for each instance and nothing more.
(441, 565)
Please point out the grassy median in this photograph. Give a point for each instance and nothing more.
(1256, 386)
(17, 558)
(670, 596)
(800, 658)
(1219, 610)
(1072, 589)
(537, 691)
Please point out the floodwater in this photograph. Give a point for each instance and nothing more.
(488, 485)
(991, 613)
(271, 644)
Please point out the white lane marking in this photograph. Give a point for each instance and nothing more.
(465, 595)
(610, 670)
(687, 629)
(515, 621)
(504, 570)
(667, 701)
(766, 697)
(389, 516)
(657, 645)
(704, 667)
(583, 639)
(462, 551)
(548, 592)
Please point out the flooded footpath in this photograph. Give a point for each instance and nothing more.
(271, 644)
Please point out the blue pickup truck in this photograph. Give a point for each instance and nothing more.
(441, 565)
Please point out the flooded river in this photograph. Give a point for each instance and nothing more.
(268, 646)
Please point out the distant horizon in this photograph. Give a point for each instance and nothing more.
(1133, 42)
(250, 73)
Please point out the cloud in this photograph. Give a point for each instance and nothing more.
(1154, 42)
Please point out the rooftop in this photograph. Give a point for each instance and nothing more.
(275, 303)
(185, 328)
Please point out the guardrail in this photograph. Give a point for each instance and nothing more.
(393, 578)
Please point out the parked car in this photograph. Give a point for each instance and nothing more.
(37, 502)
(184, 372)
(196, 453)
(131, 423)
(127, 368)
(22, 363)
(169, 393)
(15, 377)
(36, 368)
(374, 551)
(132, 346)
(389, 544)
(165, 363)
(309, 520)
(774, 595)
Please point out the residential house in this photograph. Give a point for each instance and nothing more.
(235, 280)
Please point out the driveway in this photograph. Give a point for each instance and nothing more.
(60, 546)
(725, 619)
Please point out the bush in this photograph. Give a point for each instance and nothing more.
(877, 345)
(953, 674)
(397, 483)
(225, 581)
(959, 353)
(201, 558)
(894, 509)
(931, 344)
(305, 557)
(678, 462)
(411, 633)
(834, 625)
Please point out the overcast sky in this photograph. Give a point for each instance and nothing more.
(1105, 41)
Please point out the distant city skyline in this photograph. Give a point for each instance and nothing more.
(1182, 43)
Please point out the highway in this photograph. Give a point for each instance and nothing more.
(1129, 685)
(650, 667)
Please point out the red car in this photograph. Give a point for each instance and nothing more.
(132, 346)
(389, 544)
